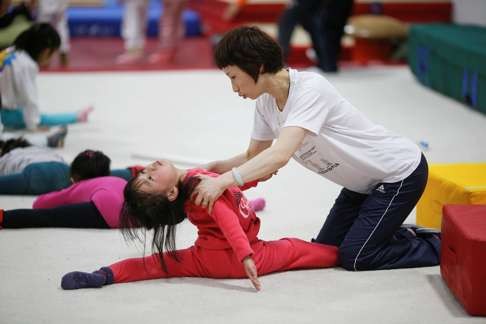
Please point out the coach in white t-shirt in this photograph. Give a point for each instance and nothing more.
(301, 115)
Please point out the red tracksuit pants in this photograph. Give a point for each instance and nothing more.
(269, 256)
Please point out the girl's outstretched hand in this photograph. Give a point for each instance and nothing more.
(207, 192)
(251, 272)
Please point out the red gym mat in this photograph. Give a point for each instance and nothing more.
(463, 251)
(98, 54)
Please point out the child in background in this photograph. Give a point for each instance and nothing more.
(227, 245)
(92, 203)
(93, 200)
(171, 30)
(19, 67)
(32, 170)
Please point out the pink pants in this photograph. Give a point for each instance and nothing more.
(271, 256)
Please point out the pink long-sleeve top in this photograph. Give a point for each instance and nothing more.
(105, 192)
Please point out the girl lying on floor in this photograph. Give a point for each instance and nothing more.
(227, 245)
(26, 169)
(93, 200)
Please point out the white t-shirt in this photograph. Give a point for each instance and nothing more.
(16, 160)
(342, 144)
(18, 88)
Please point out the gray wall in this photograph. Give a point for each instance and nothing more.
(469, 12)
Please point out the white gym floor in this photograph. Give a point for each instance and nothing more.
(195, 116)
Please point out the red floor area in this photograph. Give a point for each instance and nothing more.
(98, 54)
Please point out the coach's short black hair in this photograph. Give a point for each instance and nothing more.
(250, 49)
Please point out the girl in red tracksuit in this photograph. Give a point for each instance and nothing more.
(227, 245)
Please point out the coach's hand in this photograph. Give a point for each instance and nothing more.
(207, 192)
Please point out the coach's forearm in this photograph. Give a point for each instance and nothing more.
(263, 164)
(223, 166)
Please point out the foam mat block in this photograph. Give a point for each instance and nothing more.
(463, 183)
(463, 262)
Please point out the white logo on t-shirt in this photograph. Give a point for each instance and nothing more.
(381, 189)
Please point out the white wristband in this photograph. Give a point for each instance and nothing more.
(237, 177)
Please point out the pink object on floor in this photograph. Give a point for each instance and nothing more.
(257, 204)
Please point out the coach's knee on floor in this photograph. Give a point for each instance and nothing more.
(349, 261)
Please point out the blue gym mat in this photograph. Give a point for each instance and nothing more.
(106, 21)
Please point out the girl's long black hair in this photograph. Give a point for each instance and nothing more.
(154, 211)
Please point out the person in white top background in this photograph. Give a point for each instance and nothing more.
(171, 30)
(133, 30)
(19, 67)
(54, 13)
(301, 115)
